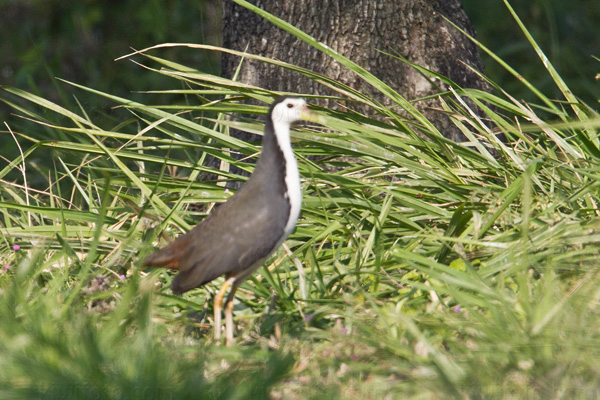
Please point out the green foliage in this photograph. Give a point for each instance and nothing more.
(566, 29)
(55, 350)
(79, 41)
(420, 268)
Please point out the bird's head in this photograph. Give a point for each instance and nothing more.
(289, 109)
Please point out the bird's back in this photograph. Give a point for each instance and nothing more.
(234, 237)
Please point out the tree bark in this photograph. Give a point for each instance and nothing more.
(360, 30)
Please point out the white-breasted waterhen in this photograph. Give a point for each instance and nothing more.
(239, 235)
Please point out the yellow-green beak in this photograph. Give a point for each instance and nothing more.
(311, 116)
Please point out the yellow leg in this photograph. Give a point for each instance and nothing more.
(229, 314)
(218, 306)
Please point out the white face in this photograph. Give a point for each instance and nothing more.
(288, 111)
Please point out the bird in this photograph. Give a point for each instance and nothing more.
(238, 236)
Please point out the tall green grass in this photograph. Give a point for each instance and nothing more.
(420, 268)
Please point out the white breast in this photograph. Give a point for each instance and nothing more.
(292, 177)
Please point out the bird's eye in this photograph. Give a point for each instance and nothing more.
(290, 105)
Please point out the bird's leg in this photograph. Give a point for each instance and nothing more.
(229, 314)
(218, 306)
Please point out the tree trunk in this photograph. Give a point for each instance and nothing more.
(358, 29)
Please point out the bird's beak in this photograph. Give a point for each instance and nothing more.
(311, 116)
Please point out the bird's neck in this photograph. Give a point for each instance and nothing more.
(276, 152)
(278, 164)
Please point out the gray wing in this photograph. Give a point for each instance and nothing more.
(234, 237)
